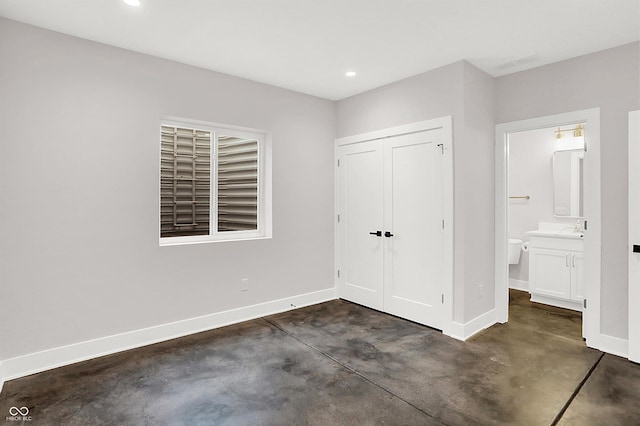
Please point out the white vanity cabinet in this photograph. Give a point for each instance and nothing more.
(556, 269)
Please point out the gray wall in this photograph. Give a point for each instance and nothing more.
(433, 94)
(466, 93)
(610, 80)
(79, 157)
(474, 165)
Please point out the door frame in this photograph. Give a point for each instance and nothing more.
(592, 208)
(634, 236)
(446, 124)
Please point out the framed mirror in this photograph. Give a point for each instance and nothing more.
(568, 183)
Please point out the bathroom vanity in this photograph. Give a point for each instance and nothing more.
(556, 259)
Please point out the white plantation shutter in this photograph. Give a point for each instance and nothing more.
(215, 183)
(237, 184)
(185, 182)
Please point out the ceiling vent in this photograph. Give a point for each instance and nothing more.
(517, 63)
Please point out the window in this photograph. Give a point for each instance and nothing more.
(213, 183)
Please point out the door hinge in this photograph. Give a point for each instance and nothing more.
(338, 273)
(584, 303)
(338, 218)
(585, 145)
(443, 298)
(442, 223)
(585, 225)
(338, 162)
(441, 146)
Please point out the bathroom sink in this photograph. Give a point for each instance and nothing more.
(556, 233)
(556, 230)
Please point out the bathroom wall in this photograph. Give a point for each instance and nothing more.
(530, 173)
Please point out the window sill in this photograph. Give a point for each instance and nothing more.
(168, 242)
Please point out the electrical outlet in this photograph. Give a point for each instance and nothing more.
(244, 284)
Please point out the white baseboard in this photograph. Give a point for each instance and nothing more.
(464, 331)
(611, 345)
(13, 368)
(25, 365)
(560, 303)
(519, 284)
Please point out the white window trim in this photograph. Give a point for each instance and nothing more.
(264, 230)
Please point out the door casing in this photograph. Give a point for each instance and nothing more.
(634, 236)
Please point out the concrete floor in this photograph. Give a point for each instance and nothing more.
(338, 363)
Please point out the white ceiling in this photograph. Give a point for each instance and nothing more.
(308, 45)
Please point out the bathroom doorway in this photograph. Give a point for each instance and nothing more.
(562, 259)
(545, 217)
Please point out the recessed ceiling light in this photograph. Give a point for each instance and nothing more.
(132, 2)
(350, 73)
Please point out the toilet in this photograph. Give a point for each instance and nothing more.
(515, 246)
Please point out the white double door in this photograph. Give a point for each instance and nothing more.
(390, 229)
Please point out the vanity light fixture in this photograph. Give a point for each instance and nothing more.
(578, 132)
(350, 73)
(132, 2)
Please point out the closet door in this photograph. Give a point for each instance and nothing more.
(413, 222)
(360, 203)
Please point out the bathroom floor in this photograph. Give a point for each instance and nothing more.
(339, 363)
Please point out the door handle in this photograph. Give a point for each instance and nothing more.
(636, 248)
(566, 259)
(377, 233)
(573, 260)
(388, 234)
